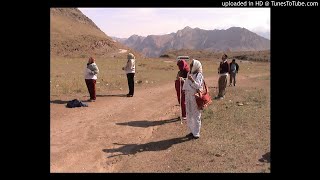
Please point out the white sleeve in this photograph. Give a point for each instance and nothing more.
(198, 81)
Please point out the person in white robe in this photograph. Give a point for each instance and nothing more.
(192, 85)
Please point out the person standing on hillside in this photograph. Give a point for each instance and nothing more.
(192, 85)
(130, 71)
(223, 71)
(234, 68)
(181, 76)
(91, 72)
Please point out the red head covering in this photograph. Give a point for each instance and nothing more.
(184, 68)
(91, 60)
(183, 65)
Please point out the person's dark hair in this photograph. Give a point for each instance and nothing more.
(234, 60)
(225, 55)
(191, 64)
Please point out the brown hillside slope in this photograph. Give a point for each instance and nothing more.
(72, 34)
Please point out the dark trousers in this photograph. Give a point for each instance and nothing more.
(130, 77)
(233, 78)
(91, 85)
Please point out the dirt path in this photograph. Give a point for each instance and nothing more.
(79, 135)
(88, 139)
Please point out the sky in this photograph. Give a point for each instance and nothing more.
(124, 22)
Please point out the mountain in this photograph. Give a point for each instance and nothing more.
(232, 39)
(120, 40)
(134, 40)
(74, 34)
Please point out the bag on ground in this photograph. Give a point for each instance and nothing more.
(76, 103)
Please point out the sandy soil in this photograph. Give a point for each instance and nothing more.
(121, 134)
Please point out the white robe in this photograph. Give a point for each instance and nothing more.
(192, 112)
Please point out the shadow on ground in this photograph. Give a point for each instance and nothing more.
(145, 123)
(112, 95)
(59, 102)
(265, 158)
(127, 149)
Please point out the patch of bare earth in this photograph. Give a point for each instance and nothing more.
(143, 134)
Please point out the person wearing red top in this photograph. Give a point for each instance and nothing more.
(181, 76)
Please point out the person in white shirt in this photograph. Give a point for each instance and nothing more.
(91, 72)
(192, 85)
(130, 71)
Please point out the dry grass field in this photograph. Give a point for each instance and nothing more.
(209, 55)
(67, 73)
(143, 134)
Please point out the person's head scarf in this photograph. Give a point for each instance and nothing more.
(183, 65)
(130, 56)
(196, 66)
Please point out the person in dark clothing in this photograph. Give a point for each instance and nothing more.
(234, 68)
(223, 71)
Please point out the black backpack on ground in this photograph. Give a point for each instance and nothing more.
(76, 103)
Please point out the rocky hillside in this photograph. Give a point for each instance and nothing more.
(232, 39)
(72, 34)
